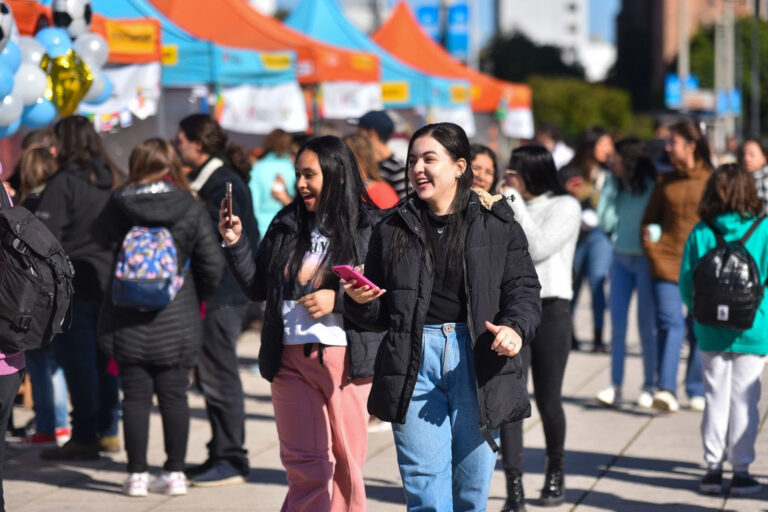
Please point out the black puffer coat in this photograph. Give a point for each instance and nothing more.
(171, 336)
(262, 277)
(501, 287)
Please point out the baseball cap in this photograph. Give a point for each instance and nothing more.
(378, 121)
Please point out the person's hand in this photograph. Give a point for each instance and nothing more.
(645, 234)
(319, 303)
(279, 191)
(362, 295)
(231, 231)
(9, 189)
(507, 342)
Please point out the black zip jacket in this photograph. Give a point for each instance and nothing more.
(211, 195)
(262, 278)
(173, 335)
(73, 198)
(501, 286)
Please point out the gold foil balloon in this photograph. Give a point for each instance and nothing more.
(69, 79)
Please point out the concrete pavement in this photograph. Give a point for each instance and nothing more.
(617, 460)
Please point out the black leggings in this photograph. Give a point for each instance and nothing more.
(139, 382)
(546, 355)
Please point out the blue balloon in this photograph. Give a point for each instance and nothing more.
(56, 41)
(105, 94)
(11, 56)
(6, 80)
(39, 114)
(7, 131)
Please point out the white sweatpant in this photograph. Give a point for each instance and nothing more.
(730, 421)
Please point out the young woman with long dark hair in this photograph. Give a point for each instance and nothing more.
(462, 299)
(485, 171)
(673, 211)
(753, 156)
(155, 350)
(319, 364)
(550, 219)
(583, 177)
(625, 195)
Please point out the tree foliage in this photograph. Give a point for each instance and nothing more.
(516, 58)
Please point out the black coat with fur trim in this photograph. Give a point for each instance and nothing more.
(501, 287)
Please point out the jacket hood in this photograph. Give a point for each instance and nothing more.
(96, 173)
(159, 202)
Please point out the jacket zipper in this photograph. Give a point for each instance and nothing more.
(480, 395)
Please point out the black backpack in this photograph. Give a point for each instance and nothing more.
(35, 281)
(727, 291)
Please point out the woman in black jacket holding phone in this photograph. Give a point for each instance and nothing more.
(460, 299)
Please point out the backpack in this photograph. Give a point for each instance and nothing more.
(146, 274)
(36, 277)
(727, 291)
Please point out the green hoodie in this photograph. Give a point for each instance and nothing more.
(701, 240)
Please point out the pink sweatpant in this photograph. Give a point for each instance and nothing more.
(322, 423)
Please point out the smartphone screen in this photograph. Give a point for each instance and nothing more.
(228, 203)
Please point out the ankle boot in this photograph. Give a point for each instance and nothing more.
(599, 347)
(515, 496)
(553, 492)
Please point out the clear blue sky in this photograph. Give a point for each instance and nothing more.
(602, 14)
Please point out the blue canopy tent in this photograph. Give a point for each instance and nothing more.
(402, 86)
(188, 61)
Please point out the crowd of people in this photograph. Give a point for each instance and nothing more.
(465, 278)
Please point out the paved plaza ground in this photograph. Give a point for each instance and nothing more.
(617, 460)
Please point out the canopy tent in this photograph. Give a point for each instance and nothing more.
(402, 36)
(188, 61)
(235, 23)
(402, 86)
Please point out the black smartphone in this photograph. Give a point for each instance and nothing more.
(228, 203)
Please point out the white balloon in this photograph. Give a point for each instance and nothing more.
(92, 48)
(97, 86)
(29, 83)
(10, 109)
(31, 50)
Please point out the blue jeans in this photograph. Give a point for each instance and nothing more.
(49, 390)
(592, 260)
(671, 327)
(94, 392)
(445, 462)
(629, 273)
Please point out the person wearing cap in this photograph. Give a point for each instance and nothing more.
(377, 127)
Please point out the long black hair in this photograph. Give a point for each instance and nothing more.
(78, 143)
(342, 199)
(638, 169)
(584, 158)
(455, 142)
(537, 169)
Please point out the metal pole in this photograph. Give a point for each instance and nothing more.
(474, 38)
(754, 86)
(730, 121)
(683, 56)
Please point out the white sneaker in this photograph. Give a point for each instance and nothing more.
(665, 401)
(697, 403)
(171, 483)
(136, 485)
(645, 400)
(609, 397)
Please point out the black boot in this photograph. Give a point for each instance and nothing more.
(515, 496)
(599, 347)
(574, 343)
(553, 492)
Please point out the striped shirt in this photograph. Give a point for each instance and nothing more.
(393, 173)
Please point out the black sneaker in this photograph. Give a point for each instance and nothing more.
(193, 471)
(221, 473)
(72, 450)
(744, 485)
(712, 482)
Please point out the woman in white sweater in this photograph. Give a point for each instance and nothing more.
(551, 220)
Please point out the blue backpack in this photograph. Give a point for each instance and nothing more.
(147, 275)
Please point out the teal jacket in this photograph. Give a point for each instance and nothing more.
(620, 213)
(263, 173)
(701, 240)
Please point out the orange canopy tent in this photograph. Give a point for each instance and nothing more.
(235, 23)
(402, 36)
(131, 41)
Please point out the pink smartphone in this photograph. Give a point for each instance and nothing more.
(348, 273)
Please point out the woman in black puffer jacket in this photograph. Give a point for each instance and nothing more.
(155, 350)
(462, 297)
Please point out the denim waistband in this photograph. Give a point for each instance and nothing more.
(459, 327)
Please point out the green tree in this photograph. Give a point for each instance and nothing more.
(516, 58)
